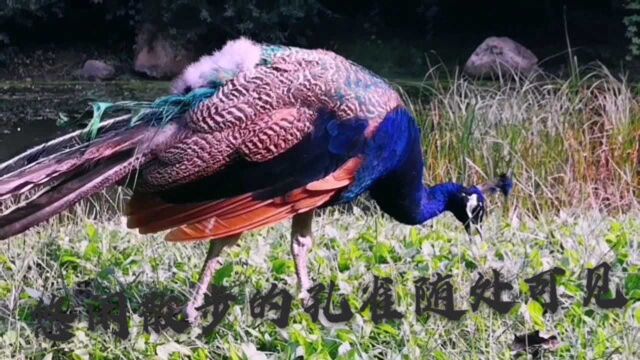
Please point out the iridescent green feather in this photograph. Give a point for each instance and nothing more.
(270, 52)
(157, 113)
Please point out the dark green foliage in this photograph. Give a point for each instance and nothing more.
(273, 21)
(185, 20)
(453, 28)
(31, 8)
(207, 22)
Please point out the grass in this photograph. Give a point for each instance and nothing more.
(573, 148)
(349, 248)
(569, 143)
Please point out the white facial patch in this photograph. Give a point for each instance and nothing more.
(235, 56)
(471, 204)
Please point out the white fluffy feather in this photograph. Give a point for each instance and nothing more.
(235, 56)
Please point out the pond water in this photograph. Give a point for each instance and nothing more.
(15, 140)
(29, 111)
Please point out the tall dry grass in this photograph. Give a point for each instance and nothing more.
(569, 143)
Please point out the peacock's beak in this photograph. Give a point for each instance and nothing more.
(473, 229)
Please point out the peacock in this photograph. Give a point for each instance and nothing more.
(250, 136)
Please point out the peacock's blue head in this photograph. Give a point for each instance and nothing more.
(468, 206)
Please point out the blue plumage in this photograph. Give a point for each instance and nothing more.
(346, 138)
(393, 174)
(386, 150)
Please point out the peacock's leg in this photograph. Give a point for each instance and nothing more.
(212, 263)
(301, 241)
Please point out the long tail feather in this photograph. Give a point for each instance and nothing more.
(66, 194)
(67, 162)
(77, 165)
(64, 178)
(56, 146)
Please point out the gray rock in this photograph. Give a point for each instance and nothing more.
(97, 70)
(501, 55)
(158, 57)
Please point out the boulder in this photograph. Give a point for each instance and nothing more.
(158, 57)
(97, 70)
(501, 55)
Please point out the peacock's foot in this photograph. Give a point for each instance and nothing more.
(212, 263)
(305, 298)
(192, 309)
(301, 243)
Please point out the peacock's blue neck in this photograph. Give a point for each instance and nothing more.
(409, 201)
(435, 200)
(395, 153)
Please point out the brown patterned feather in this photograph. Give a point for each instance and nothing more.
(264, 111)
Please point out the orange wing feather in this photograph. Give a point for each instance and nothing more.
(233, 216)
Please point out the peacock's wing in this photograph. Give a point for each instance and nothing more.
(235, 215)
(260, 183)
